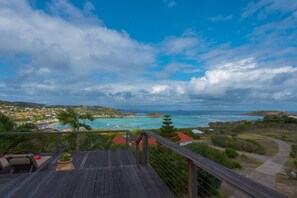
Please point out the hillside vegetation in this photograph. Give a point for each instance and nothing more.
(268, 113)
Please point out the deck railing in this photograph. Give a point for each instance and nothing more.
(205, 178)
(186, 173)
(56, 142)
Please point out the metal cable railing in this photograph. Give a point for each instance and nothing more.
(171, 168)
(188, 174)
(56, 142)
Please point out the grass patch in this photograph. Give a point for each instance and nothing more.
(270, 145)
(281, 134)
(285, 185)
(248, 145)
(213, 154)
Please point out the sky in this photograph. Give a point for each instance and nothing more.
(150, 54)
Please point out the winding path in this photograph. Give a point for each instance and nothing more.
(265, 173)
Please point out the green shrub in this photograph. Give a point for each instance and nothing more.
(293, 153)
(231, 153)
(295, 163)
(236, 143)
(213, 154)
(241, 127)
(65, 157)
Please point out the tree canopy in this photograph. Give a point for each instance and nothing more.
(167, 129)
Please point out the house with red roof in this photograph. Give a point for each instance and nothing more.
(118, 139)
(184, 139)
(151, 142)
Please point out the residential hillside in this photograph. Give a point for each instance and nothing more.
(27, 111)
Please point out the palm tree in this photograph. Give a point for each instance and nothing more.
(9, 143)
(7, 124)
(72, 118)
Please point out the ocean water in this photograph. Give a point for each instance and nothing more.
(180, 119)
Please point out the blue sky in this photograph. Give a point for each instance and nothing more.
(157, 54)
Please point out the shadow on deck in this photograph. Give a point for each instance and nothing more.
(97, 174)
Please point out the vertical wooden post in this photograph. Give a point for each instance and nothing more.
(144, 150)
(137, 153)
(192, 185)
(58, 143)
(127, 140)
(77, 141)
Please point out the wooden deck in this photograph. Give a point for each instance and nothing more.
(97, 174)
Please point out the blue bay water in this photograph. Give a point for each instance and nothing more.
(180, 119)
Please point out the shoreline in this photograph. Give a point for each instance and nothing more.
(145, 122)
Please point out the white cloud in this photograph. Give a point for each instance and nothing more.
(247, 80)
(265, 7)
(170, 3)
(176, 67)
(70, 43)
(157, 89)
(69, 56)
(221, 18)
(180, 45)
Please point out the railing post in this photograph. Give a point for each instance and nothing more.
(137, 153)
(192, 185)
(127, 140)
(144, 150)
(58, 137)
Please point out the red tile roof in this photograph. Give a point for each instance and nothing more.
(183, 137)
(151, 141)
(118, 139)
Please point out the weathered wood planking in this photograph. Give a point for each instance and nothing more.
(97, 174)
(121, 181)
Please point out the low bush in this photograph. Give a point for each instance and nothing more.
(293, 153)
(236, 143)
(213, 154)
(284, 119)
(295, 163)
(231, 153)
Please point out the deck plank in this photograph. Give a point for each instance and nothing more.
(97, 174)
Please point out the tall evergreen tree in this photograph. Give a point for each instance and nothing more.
(167, 129)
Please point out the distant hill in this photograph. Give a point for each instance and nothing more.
(156, 115)
(21, 104)
(269, 113)
(91, 109)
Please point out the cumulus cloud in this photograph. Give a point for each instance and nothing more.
(244, 80)
(74, 42)
(66, 55)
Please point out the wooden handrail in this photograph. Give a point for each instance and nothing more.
(242, 183)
